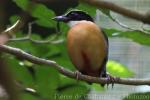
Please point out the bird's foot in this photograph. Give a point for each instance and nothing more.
(111, 79)
(77, 73)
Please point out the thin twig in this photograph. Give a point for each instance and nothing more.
(47, 41)
(7, 34)
(129, 28)
(19, 53)
(30, 29)
(26, 38)
(19, 39)
(14, 28)
(29, 38)
(144, 29)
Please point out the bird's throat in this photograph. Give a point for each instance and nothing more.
(72, 23)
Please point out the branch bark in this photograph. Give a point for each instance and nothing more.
(145, 18)
(20, 53)
(6, 34)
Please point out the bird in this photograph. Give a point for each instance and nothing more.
(87, 44)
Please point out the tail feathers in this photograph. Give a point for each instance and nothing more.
(103, 75)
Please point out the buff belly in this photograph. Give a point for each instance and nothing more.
(87, 48)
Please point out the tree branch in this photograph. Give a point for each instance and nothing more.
(102, 4)
(20, 53)
(29, 38)
(145, 18)
(7, 34)
(14, 28)
(128, 27)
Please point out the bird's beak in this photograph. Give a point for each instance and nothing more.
(61, 18)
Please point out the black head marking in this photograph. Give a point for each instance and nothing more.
(77, 15)
(74, 15)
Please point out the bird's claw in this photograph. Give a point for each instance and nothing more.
(111, 80)
(77, 73)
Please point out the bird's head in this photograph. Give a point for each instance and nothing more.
(73, 15)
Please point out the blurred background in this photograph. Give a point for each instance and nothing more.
(128, 50)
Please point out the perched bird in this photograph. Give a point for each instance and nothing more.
(87, 44)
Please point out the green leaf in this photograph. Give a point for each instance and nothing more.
(97, 87)
(20, 71)
(47, 81)
(112, 32)
(117, 69)
(26, 96)
(22, 3)
(43, 14)
(45, 22)
(27, 63)
(66, 62)
(14, 18)
(138, 37)
(24, 45)
(87, 8)
(67, 81)
(41, 11)
(64, 29)
(138, 96)
(106, 12)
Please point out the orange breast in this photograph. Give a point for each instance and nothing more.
(87, 47)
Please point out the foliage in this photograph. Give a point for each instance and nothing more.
(133, 35)
(47, 81)
(91, 11)
(118, 70)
